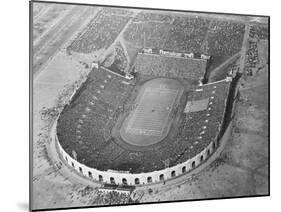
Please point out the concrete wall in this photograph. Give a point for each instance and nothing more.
(143, 177)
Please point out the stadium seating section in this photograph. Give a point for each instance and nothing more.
(252, 57)
(157, 65)
(259, 31)
(186, 34)
(85, 125)
(99, 33)
(82, 123)
(225, 38)
(202, 127)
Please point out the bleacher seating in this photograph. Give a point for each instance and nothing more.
(259, 31)
(186, 34)
(225, 38)
(85, 128)
(86, 119)
(99, 33)
(252, 59)
(165, 66)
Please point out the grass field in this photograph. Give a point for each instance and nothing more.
(149, 120)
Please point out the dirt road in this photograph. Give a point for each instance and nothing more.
(44, 49)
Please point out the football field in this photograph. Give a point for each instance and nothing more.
(152, 112)
(151, 115)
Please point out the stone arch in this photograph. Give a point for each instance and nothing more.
(149, 179)
(201, 158)
(80, 170)
(137, 181)
(112, 180)
(72, 164)
(124, 181)
(173, 173)
(193, 164)
(208, 152)
(100, 178)
(161, 177)
(183, 169)
(90, 174)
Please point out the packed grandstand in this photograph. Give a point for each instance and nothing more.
(109, 134)
(89, 128)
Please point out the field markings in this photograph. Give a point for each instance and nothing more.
(139, 112)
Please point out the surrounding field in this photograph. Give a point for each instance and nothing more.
(65, 42)
(56, 34)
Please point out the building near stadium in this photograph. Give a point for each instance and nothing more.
(114, 131)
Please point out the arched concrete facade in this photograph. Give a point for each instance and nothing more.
(140, 178)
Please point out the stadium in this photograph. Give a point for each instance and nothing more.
(160, 121)
(136, 105)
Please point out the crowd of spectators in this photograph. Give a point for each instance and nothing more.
(82, 127)
(194, 134)
(187, 34)
(181, 35)
(112, 198)
(225, 38)
(260, 32)
(201, 127)
(165, 66)
(151, 34)
(82, 123)
(148, 30)
(252, 57)
(99, 33)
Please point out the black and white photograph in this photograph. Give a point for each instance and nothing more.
(136, 105)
